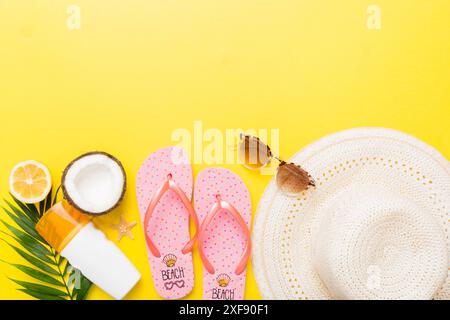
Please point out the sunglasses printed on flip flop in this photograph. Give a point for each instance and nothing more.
(291, 178)
(169, 285)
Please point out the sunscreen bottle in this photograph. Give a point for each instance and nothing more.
(74, 236)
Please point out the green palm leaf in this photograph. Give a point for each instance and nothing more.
(24, 224)
(41, 207)
(48, 268)
(66, 269)
(35, 248)
(32, 214)
(48, 202)
(40, 296)
(38, 275)
(23, 237)
(33, 208)
(40, 288)
(34, 261)
(81, 293)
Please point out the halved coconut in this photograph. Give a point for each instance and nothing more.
(94, 183)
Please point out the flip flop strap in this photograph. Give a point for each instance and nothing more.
(219, 205)
(169, 184)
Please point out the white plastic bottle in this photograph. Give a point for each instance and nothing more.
(75, 237)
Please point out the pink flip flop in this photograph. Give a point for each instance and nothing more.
(164, 191)
(222, 202)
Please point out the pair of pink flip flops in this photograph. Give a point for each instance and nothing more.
(221, 214)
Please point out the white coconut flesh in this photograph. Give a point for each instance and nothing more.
(95, 183)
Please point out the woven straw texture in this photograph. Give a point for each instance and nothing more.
(376, 227)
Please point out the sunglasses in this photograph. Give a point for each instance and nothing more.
(169, 285)
(255, 155)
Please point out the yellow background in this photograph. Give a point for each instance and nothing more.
(137, 70)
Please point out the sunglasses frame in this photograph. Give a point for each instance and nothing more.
(271, 156)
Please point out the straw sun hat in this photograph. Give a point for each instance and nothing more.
(376, 226)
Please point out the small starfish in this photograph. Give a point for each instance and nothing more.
(124, 228)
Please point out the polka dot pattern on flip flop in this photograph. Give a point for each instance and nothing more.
(169, 224)
(224, 241)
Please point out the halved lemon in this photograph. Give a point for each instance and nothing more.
(30, 181)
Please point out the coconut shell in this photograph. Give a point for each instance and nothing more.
(72, 203)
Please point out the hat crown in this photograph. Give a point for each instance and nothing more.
(374, 244)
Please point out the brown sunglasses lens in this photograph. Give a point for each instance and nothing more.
(292, 179)
(253, 154)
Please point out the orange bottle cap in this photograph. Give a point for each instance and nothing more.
(60, 224)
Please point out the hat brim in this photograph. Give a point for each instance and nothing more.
(285, 226)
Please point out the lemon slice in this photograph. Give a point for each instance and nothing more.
(30, 181)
